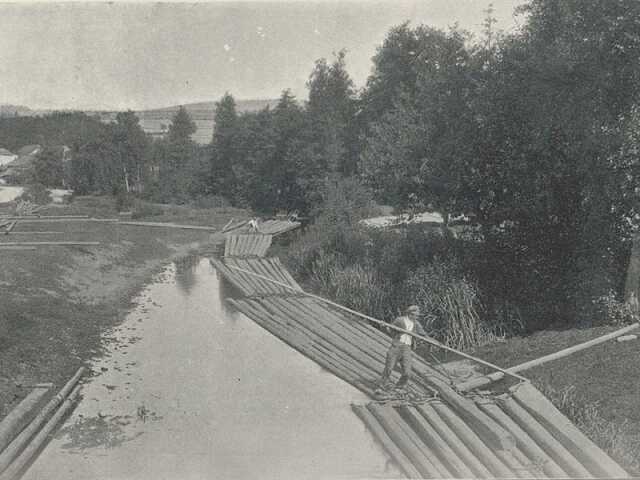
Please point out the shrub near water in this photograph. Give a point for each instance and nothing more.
(450, 305)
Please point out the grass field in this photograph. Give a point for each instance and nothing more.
(56, 301)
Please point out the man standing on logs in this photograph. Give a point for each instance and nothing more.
(400, 349)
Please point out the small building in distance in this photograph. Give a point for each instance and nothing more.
(6, 157)
(20, 167)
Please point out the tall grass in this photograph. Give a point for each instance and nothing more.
(357, 286)
(614, 438)
(450, 304)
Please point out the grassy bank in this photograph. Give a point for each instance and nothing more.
(56, 301)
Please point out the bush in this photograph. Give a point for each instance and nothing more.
(613, 311)
(357, 286)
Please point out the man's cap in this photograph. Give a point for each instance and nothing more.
(412, 309)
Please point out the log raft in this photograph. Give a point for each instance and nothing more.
(437, 430)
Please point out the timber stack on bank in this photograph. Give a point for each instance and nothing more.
(436, 430)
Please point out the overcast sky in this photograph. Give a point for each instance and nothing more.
(143, 55)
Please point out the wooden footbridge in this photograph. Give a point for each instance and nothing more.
(438, 430)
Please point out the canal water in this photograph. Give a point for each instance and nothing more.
(191, 390)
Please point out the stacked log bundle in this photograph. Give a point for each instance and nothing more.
(26, 429)
(247, 245)
(432, 439)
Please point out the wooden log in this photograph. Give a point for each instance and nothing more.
(543, 438)
(294, 340)
(265, 244)
(49, 217)
(10, 453)
(207, 228)
(479, 382)
(456, 444)
(236, 226)
(249, 278)
(372, 368)
(415, 438)
(529, 447)
(463, 432)
(226, 225)
(42, 244)
(36, 233)
(431, 437)
(275, 273)
(65, 219)
(16, 247)
(20, 416)
(290, 280)
(323, 333)
(576, 348)
(27, 455)
(10, 227)
(231, 277)
(257, 265)
(580, 446)
(331, 341)
(399, 437)
(339, 359)
(386, 442)
(495, 376)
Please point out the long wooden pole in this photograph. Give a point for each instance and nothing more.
(20, 416)
(38, 244)
(21, 462)
(11, 452)
(428, 340)
(169, 225)
(495, 376)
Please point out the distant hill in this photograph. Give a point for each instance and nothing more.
(13, 110)
(156, 122)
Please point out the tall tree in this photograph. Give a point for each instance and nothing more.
(223, 145)
(131, 143)
(331, 110)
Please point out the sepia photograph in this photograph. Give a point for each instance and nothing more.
(319, 240)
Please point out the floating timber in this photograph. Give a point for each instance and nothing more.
(247, 245)
(349, 348)
(264, 273)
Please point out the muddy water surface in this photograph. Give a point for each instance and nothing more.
(189, 390)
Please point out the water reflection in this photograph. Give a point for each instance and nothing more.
(186, 272)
